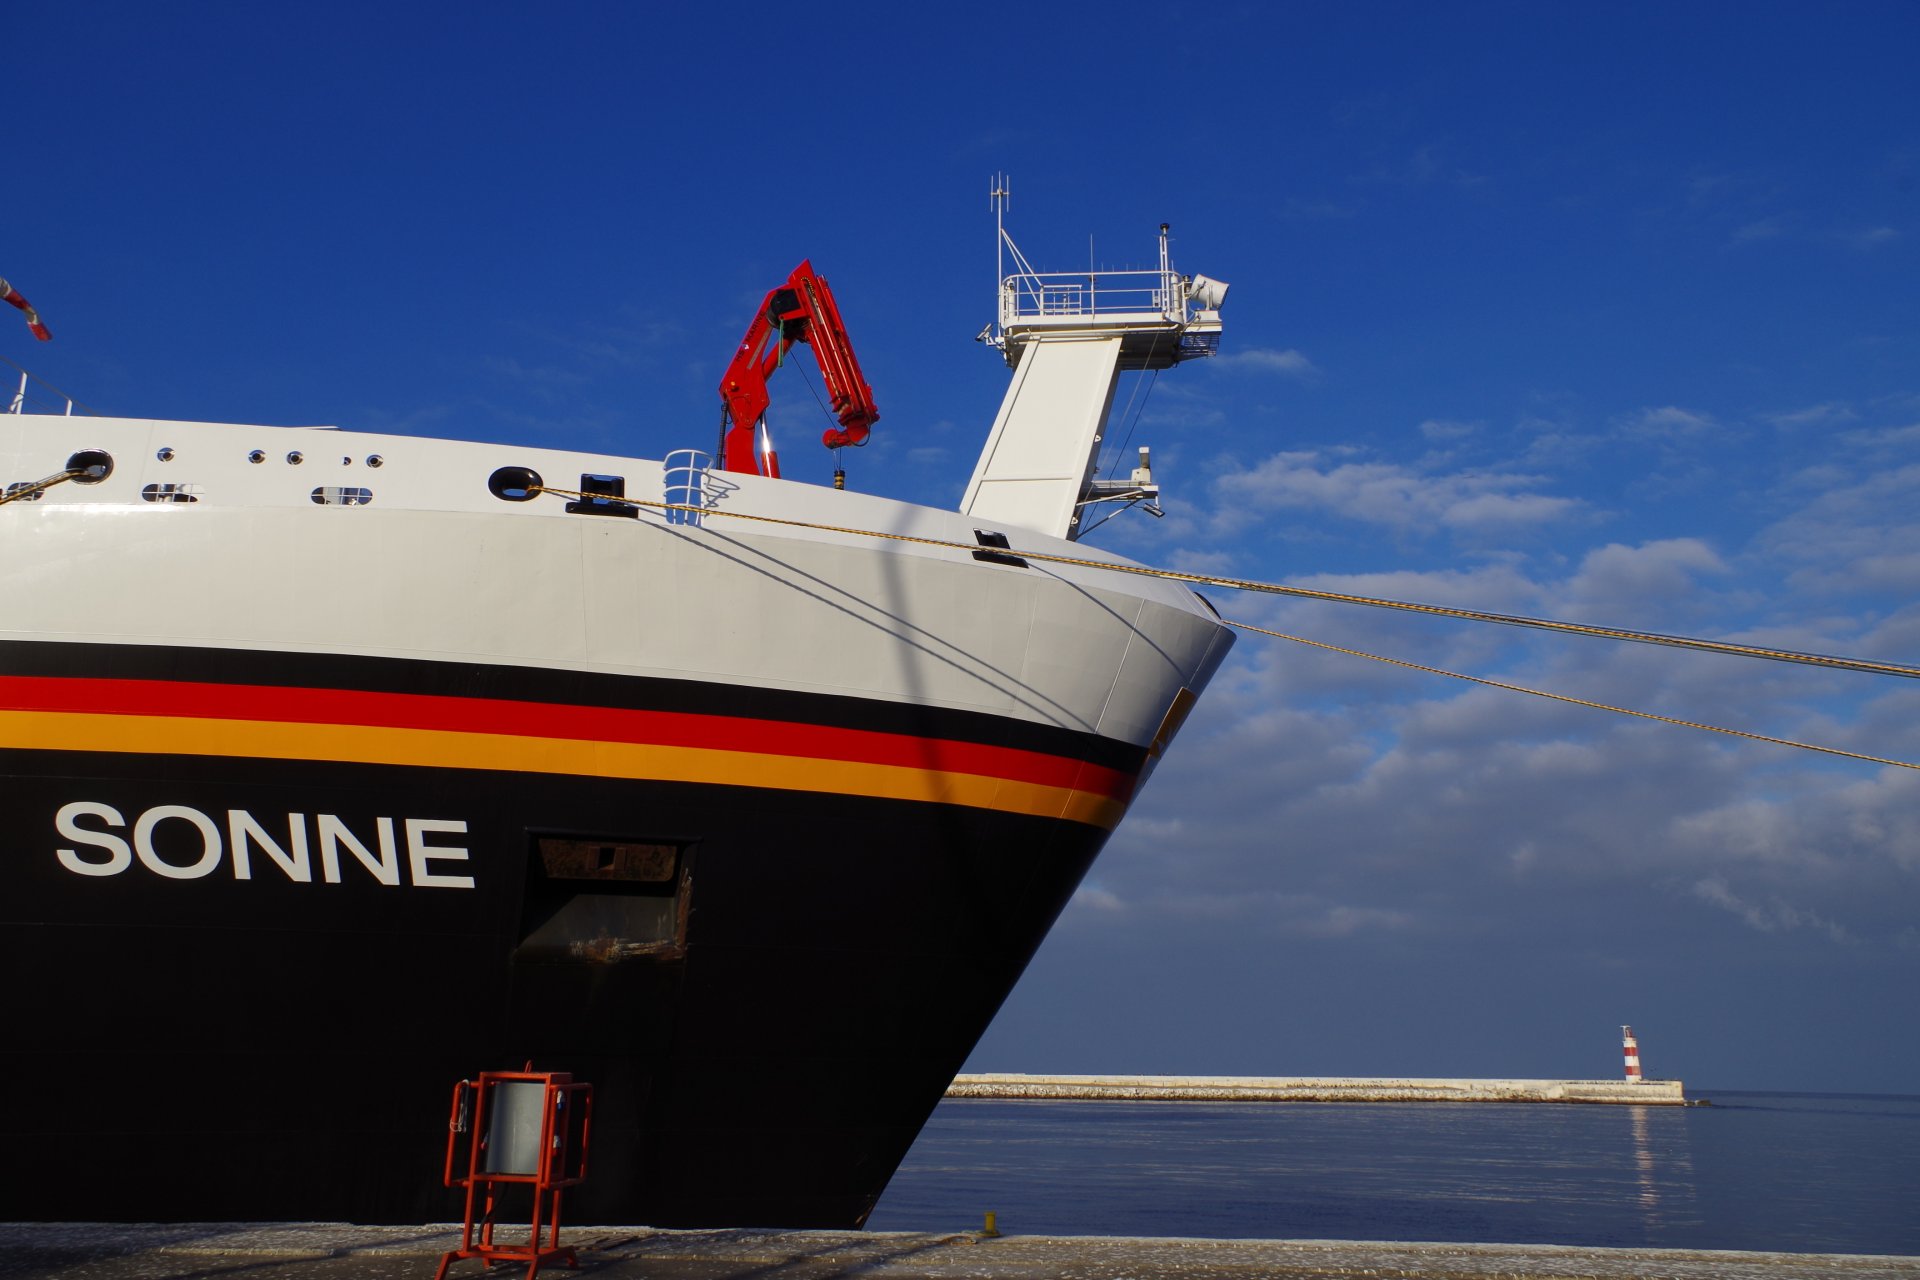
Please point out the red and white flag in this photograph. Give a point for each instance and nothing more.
(9, 294)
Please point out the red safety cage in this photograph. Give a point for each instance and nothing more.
(511, 1129)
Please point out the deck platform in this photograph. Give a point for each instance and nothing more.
(331, 1251)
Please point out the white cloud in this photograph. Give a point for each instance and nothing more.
(1484, 510)
(1179, 406)
(1091, 898)
(1633, 582)
(1873, 238)
(1389, 494)
(1882, 814)
(1345, 922)
(1859, 536)
(1815, 415)
(1756, 232)
(1773, 916)
(1752, 829)
(1216, 563)
(1906, 437)
(1289, 362)
(1894, 637)
(1668, 421)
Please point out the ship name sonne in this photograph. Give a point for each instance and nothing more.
(285, 844)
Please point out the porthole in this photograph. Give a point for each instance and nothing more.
(337, 495)
(165, 454)
(374, 459)
(94, 466)
(346, 462)
(258, 455)
(515, 484)
(295, 458)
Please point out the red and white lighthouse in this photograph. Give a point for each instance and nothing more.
(1631, 1048)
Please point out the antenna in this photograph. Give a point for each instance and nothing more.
(1001, 196)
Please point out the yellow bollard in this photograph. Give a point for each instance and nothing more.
(993, 1227)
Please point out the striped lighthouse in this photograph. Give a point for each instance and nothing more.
(1631, 1048)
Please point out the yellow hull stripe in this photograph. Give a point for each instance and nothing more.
(452, 749)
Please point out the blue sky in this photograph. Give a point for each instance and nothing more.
(1601, 313)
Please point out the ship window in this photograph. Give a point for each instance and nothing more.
(170, 493)
(340, 495)
(603, 899)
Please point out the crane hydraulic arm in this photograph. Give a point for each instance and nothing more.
(801, 310)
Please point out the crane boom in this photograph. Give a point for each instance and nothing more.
(800, 310)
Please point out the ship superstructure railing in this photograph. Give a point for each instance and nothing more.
(1165, 316)
(34, 394)
(685, 473)
(1090, 295)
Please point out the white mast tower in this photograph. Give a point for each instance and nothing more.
(1067, 336)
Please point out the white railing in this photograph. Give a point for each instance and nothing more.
(37, 395)
(685, 474)
(1090, 295)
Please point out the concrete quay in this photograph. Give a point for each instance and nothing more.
(333, 1251)
(1670, 1093)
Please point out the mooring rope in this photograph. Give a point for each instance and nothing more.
(1570, 628)
(1578, 702)
(21, 493)
(27, 491)
(1306, 593)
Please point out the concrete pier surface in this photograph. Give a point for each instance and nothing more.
(1670, 1093)
(332, 1251)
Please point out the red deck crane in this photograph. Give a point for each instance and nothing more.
(801, 310)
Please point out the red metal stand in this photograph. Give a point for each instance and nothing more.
(520, 1128)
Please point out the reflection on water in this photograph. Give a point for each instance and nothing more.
(1643, 1159)
(1756, 1172)
(1663, 1170)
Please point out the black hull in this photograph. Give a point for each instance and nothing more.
(210, 1047)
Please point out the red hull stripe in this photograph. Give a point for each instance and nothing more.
(543, 720)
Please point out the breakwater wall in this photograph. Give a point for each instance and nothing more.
(1314, 1089)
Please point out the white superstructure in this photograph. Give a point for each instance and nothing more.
(1068, 336)
(315, 539)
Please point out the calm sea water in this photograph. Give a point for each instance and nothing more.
(1800, 1172)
